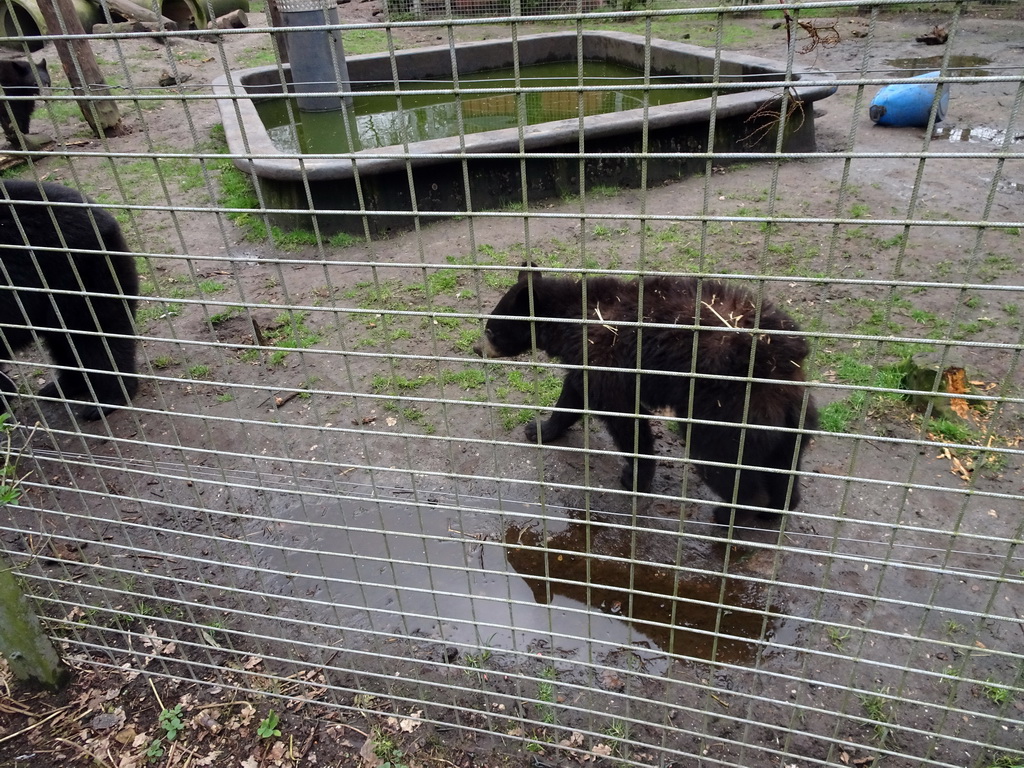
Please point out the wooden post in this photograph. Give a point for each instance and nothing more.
(80, 66)
(28, 650)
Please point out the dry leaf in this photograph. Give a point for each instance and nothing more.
(574, 740)
(410, 724)
(277, 751)
(246, 714)
(159, 646)
(208, 638)
(368, 753)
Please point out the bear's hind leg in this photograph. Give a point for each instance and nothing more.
(628, 432)
(783, 487)
(103, 359)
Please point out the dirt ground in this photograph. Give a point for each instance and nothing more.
(433, 603)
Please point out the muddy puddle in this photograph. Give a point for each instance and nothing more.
(977, 134)
(474, 572)
(957, 66)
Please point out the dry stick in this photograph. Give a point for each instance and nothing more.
(99, 760)
(34, 725)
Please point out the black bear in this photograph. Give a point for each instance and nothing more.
(699, 376)
(20, 78)
(67, 278)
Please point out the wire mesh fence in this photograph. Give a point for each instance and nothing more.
(298, 511)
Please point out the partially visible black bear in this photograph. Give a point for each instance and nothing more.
(730, 322)
(74, 285)
(20, 78)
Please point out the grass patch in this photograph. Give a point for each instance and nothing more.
(356, 41)
(238, 193)
(289, 332)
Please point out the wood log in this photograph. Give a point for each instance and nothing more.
(234, 20)
(131, 26)
(135, 12)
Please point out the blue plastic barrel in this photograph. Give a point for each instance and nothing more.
(908, 103)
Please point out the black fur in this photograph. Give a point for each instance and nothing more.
(44, 289)
(720, 352)
(21, 78)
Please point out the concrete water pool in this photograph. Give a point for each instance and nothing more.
(364, 188)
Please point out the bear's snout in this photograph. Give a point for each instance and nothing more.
(485, 348)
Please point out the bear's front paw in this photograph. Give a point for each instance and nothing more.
(96, 412)
(644, 477)
(531, 431)
(722, 515)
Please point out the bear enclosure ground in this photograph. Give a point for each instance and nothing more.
(318, 536)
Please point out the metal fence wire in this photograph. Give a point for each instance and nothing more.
(279, 499)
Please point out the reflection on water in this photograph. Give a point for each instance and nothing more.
(376, 121)
(958, 66)
(705, 616)
(474, 572)
(979, 134)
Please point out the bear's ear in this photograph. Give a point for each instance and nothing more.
(528, 269)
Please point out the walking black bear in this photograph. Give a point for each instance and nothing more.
(67, 278)
(730, 322)
(21, 78)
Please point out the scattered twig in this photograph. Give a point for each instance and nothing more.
(353, 728)
(772, 117)
(735, 318)
(34, 725)
(158, 699)
(96, 758)
(280, 401)
(597, 311)
(825, 35)
(257, 333)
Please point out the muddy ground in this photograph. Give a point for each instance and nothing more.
(349, 517)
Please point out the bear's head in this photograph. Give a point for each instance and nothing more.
(505, 335)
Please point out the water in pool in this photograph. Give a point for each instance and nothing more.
(377, 122)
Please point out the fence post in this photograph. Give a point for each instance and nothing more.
(28, 650)
(81, 67)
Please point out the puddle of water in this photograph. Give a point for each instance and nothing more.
(702, 616)
(959, 66)
(480, 576)
(977, 134)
